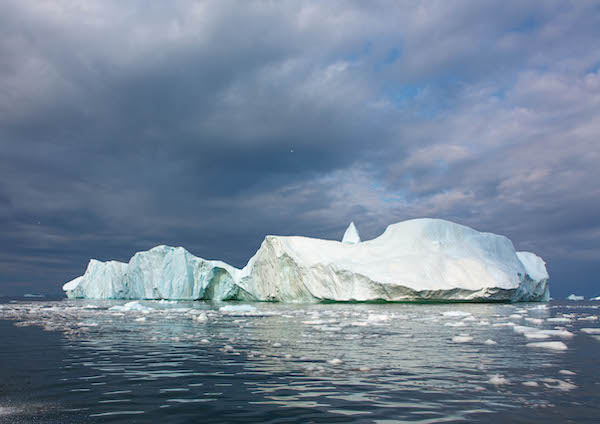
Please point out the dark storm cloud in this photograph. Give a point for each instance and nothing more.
(210, 124)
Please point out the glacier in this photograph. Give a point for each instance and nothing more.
(416, 260)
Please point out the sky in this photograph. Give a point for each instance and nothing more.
(210, 124)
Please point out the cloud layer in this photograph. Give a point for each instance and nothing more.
(209, 124)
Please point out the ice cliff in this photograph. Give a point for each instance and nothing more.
(416, 260)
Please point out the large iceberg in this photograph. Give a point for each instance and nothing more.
(415, 260)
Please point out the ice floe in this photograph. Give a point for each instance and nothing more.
(575, 297)
(498, 380)
(548, 345)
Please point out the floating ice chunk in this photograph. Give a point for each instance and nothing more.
(531, 331)
(87, 324)
(536, 335)
(351, 235)
(455, 324)
(140, 319)
(316, 322)
(537, 321)
(490, 342)
(566, 372)
(456, 314)
(237, 308)
(462, 339)
(590, 318)
(516, 316)
(558, 319)
(548, 345)
(555, 383)
(276, 344)
(591, 330)
(378, 317)
(202, 317)
(498, 380)
(530, 383)
(131, 306)
(335, 361)
(595, 298)
(575, 297)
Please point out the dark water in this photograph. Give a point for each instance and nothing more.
(69, 361)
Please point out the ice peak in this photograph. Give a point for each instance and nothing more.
(351, 235)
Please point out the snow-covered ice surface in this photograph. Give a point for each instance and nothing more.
(251, 362)
(415, 260)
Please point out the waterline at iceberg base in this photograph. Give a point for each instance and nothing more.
(415, 260)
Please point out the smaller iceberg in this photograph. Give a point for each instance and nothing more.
(160, 273)
(351, 235)
(575, 297)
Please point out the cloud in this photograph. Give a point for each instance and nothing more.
(210, 124)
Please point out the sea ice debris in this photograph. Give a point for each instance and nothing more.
(237, 308)
(456, 314)
(548, 345)
(555, 383)
(575, 297)
(498, 380)
(530, 383)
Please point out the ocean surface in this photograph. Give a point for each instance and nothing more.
(75, 361)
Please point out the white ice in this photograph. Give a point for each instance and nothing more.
(575, 297)
(548, 345)
(237, 308)
(131, 306)
(421, 259)
(351, 235)
(498, 380)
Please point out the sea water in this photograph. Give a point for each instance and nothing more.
(71, 361)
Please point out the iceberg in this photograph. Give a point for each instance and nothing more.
(351, 235)
(575, 297)
(415, 260)
(160, 273)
